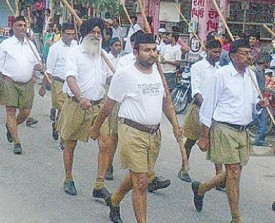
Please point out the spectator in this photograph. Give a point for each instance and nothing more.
(261, 120)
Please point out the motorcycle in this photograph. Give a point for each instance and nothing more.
(181, 94)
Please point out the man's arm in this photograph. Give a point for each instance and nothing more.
(103, 114)
(170, 113)
(203, 142)
(84, 102)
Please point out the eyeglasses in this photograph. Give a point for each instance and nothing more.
(245, 53)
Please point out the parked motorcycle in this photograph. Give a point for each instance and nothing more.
(181, 95)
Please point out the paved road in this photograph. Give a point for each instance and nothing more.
(31, 183)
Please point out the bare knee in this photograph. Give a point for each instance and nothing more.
(140, 182)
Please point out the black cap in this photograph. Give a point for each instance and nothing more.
(211, 44)
(144, 38)
(20, 18)
(240, 43)
(114, 40)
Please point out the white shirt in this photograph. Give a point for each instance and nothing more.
(140, 95)
(17, 60)
(90, 73)
(56, 59)
(230, 98)
(126, 60)
(114, 60)
(128, 47)
(171, 53)
(201, 73)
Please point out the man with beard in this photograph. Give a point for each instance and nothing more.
(17, 63)
(139, 89)
(86, 74)
(225, 114)
(56, 70)
(201, 73)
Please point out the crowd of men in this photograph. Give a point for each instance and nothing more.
(123, 109)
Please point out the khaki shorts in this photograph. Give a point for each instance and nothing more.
(228, 146)
(58, 97)
(19, 95)
(138, 151)
(192, 124)
(74, 122)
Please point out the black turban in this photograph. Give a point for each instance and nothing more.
(89, 24)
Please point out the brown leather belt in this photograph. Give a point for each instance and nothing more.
(58, 79)
(91, 101)
(151, 129)
(7, 78)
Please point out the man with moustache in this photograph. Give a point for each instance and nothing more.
(225, 114)
(86, 74)
(17, 64)
(201, 73)
(139, 89)
(56, 71)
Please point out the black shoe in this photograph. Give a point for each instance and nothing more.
(17, 149)
(198, 200)
(114, 214)
(158, 183)
(109, 173)
(8, 134)
(69, 188)
(221, 187)
(61, 146)
(101, 193)
(273, 206)
(52, 114)
(55, 134)
(31, 121)
(184, 176)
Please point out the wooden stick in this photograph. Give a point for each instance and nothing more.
(223, 20)
(142, 11)
(127, 14)
(11, 9)
(72, 11)
(170, 105)
(107, 61)
(269, 30)
(16, 7)
(190, 27)
(38, 59)
(261, 96)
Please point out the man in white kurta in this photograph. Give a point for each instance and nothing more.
(225, 114)
(18, 60)
(201, 74)
(56, 62)
(86, 74)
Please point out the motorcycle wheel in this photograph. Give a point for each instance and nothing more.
(179, 99)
